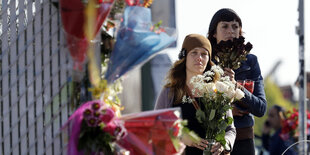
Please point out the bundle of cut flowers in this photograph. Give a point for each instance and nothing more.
(230, 53)
(156, 132)
(216, 95)
(94, 129)
(290, 124)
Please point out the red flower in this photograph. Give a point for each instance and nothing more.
(290, 124)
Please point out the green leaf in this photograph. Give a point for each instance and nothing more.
(212, 114)
(221, 138)
(222, 125)
(200, 116)
(191, 134)
(229, 120)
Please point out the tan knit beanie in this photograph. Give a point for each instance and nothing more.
(192, 41)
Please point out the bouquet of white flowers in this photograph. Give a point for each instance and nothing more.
(216, 93)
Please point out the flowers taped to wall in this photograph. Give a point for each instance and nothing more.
(74, 21)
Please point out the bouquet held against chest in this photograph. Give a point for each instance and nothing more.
(230, 53)
(216, 93)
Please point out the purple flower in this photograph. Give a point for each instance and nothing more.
(95, 106)
(97, 114)
(92, 122)
(87, 113)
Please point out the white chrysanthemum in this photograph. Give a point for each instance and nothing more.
(208, 79)
(199, 89)
(225, 78)
(197, 79)
(208, 74)
(218, 69)
(184, 99)
(239, 94)
(189, 100)
(221, 87)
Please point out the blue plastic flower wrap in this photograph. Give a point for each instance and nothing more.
(136, 42)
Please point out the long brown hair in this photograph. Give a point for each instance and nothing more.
(176, 79)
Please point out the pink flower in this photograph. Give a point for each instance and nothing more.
(107, 115)
(132, 2)
(110, 128)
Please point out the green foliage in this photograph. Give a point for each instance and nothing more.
(274, 97)
(212, 117)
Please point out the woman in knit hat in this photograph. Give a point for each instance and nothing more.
(226, 25)
(194, 59)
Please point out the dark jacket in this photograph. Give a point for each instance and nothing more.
(276, 146)
(254, 103)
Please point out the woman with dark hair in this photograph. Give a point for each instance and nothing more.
(226, 25)
(275, 145)
(194, 59)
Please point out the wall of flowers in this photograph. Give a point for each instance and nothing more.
(97, 126)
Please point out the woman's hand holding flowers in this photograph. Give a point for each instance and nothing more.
(229, 72)
(238, 112)
(201, 145)
(217, 148)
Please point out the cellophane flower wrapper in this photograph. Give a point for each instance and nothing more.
(150, 132)
(112, 126)
(73, 20)
(136, 42)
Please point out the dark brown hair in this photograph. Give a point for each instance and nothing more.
(280, 111)
(226, 15)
